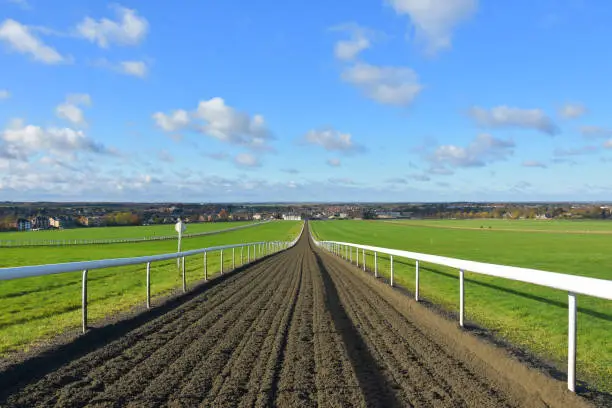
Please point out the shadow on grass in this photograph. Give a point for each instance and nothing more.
(541, 299)
(33, 368)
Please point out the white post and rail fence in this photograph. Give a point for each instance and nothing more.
(7, 243)
(256, 249)
(572, 284)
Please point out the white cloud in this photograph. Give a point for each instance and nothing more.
(348, 50)
(433, 21)
(534, 163)
(4, 94)
(575, 151)
(177, 120)
(70, 110)
(231, 126)
(216, 119)
(20, 39)
(134, 68)
(246, 160)
(509, 117)
(23, 141)
(608, 144)
(334, 162)
(130, 29)
(482, 150)
(572, 110)
(591, 132)
(385, 84)
(333, 140)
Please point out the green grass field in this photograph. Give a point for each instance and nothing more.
(552, 226)
(530, 316)
(33, 309)
(116, 232)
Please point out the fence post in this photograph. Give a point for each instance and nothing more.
(357, 257)
(461, 298)
(351, 255)
(184, 278)
(221, 262)
(376, 264)
(148, 285)
(416, 290)
(84, 301)
(571, 342)
(233, 259)
(248, 254)
(205, 266)
(391, 262)
(364, 259)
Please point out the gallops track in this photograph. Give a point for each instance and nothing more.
(299, 328)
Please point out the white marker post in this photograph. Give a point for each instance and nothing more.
(180, 227)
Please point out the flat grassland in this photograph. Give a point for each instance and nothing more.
(569, 226)
(529, 316)
(117, 232)
(33, 309)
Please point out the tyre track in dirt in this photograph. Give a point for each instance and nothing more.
(298, 329)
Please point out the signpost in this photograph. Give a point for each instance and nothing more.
(180, 227)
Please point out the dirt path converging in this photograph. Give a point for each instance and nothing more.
(300, 328)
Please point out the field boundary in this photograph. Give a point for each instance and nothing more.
(66, 242)
(570, 283)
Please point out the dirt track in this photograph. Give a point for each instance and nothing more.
(300, 328)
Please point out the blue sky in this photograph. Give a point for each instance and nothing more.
(382, 100)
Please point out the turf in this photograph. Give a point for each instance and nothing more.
(530, 316)
(552, 226)
(116, 232)
(33, 309)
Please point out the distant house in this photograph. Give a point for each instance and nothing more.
(40, 222)
(292, 217)
(24, 225)
(58, 222)
(257, 217)
(94, 221)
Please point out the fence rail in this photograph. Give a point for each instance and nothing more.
(63, 242)
(572, 284)
(254, 251)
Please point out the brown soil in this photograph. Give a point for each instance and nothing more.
(300, 328)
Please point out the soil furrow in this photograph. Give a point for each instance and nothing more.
(235, 352)
(154, 379)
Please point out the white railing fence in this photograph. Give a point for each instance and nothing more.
(252, 251)
(12, 243)
(572, 284)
